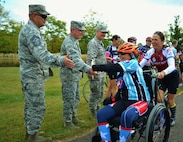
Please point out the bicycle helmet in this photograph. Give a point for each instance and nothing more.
(128, 48)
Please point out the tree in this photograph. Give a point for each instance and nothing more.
(9, 30)
(90, 21)
(175, 32)
(1, 2)
(54, 33)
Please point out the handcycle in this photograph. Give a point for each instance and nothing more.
(153, 126)
(86, 89)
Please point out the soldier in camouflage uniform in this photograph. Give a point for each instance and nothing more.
(96, 55)
(70, 78)
(35, 60)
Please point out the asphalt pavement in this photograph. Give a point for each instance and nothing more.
(176, 132)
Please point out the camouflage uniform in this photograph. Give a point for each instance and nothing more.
(34, 62)
(70, 78)
(96, 52)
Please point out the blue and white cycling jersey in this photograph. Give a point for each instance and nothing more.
(134, 80)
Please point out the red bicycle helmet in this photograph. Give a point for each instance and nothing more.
(128, 47)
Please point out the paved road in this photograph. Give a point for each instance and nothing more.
(176, 132)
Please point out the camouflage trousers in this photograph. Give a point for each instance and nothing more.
(96, 92)
(71, 99)
(34, 106)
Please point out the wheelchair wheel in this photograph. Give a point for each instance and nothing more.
(158, 124)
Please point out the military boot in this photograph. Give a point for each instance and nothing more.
(93, 113)
(70, 125)
(37, 138)
(76, 121)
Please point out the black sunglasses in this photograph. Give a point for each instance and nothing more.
(43, 16)
(122, 53)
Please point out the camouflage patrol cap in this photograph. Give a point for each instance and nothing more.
(102, 28)
(38, 8)
(77, 25)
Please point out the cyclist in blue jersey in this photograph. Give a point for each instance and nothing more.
(133, 95)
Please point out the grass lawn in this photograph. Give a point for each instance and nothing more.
(11, 108)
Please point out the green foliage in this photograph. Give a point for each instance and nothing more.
(55, 31)
(11, 59)
(9, 30)
(91, 20)
(175, 32)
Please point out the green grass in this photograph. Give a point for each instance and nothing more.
(12, 102)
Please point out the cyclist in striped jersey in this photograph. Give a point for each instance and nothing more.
(133, 95)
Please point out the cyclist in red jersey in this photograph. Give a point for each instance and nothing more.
(163, 58)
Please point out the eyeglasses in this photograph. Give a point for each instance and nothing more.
(149, 40)
(43, 16)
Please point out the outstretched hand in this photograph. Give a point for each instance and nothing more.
(93, 73)
(67, 62)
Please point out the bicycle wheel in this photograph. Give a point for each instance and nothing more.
(86, 90)
(158, 124)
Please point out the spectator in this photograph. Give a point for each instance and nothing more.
(173, 47)
(35, 60)
(142, 51)
(96, 55)
(70, 78)
(112, 56)
(132, 39)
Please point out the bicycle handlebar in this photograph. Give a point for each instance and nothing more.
(153, 72)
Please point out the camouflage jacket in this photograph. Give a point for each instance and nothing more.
(33, 55)
(96, 52)
(71, 45)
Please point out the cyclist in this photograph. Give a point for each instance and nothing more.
(163, 58)
(112, 56)
(133, 93)
(142, 51)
